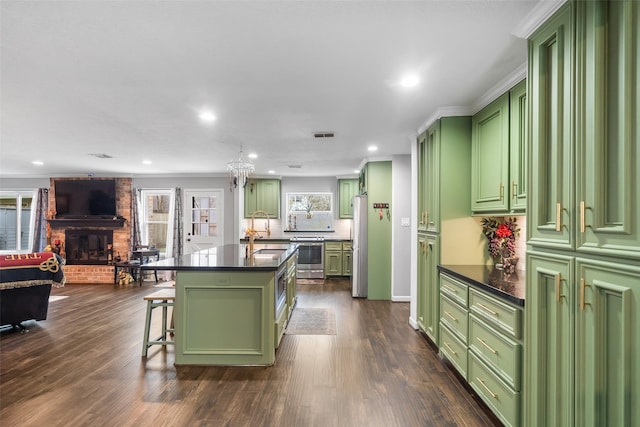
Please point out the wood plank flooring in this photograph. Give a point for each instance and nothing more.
(82, 366)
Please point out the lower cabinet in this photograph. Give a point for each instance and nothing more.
(428, 289)
(583, 332)
(291, 283)
(481, 335)
(337, 259)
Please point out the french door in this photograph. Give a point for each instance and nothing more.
(203, 219)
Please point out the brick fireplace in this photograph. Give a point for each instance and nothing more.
(84, 244)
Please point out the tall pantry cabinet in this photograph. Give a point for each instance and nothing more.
(583, 254)
(444, 215)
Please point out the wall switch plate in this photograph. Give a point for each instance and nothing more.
(405, 222)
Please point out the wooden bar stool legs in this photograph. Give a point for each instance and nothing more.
(163, 298)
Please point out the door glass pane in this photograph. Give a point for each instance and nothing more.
(8, 222)
(25, 203)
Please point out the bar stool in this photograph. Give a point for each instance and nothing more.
(163, 298)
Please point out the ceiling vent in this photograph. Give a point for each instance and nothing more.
(323, 134)
(101, 155)
(295, 166)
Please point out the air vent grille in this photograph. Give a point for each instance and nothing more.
(323, 134)
(295, 166)
(101, 155)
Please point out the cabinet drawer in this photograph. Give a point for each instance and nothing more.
(499, 314)
(455, 317)
(332, 246)
(346, 246)
(453, 349)
(454, 289)
(503, 401)
(498, 351)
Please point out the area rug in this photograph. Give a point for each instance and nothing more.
(53, 298)
(310, 281)
(312, 321)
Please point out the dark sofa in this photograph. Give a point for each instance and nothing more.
(25, 286)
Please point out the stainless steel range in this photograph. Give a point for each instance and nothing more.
(310, 257)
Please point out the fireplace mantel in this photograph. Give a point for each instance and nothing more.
(88, 222)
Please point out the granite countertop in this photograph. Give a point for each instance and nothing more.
(510, 287)
(228, 258)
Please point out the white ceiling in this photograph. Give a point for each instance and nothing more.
(127, 78)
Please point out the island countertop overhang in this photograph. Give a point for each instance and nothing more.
(232, 257)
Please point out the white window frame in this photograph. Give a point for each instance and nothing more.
(18, 195)
(143, 214)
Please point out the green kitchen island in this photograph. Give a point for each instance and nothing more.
(231, 306)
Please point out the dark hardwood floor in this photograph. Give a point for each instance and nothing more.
(82, 366)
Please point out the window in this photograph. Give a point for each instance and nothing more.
(309, 202)
(156, 219)
(16, 213)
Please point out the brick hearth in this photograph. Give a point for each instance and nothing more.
(96, 274)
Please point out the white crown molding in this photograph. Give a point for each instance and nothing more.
(444, 112)
(538, 15)
(499, 89)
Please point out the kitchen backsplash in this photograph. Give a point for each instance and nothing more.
(342, 229)
(521, 240)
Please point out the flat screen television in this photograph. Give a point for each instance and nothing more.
(85, 198)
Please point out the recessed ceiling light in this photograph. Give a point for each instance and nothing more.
(372, 148)
(253, 156)
(207, 116)
(409, 81)
(38, 162)
(146, 162)
(271, 172)
(356, 171)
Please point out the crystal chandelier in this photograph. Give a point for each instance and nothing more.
(240, 170)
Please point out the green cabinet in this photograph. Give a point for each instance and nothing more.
(347, 188)
(607, 117)
(347, 259)
(429, 165)
(499, 154)
(481, 335)
(518, 126)
(550, 211)
(490, 157)
(262, 194)
(291, 283)
(337, 258)
(585, 337)
(428, 301)
(607, 344)
(583, 256)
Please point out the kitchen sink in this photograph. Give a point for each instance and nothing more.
(268, 253)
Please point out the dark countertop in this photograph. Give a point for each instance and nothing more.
(227, 258)
(510, 287)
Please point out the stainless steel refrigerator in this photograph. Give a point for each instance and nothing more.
(359, 246)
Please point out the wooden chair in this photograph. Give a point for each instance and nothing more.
(164, 298)
(144, 254)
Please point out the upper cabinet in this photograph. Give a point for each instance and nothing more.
(607, 114)
(551, 214)
(498, 166)
(347, 188)
(490, 157)
(585, 168)
(429, 194)
(518, 147)
(262, 194)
